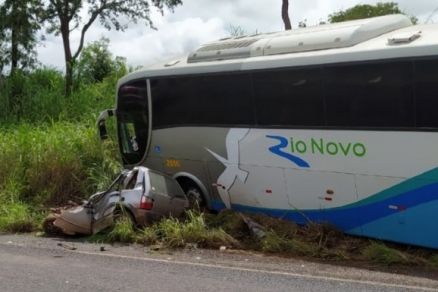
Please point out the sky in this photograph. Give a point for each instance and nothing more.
(200, 21)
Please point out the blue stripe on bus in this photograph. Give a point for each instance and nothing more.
(406, 212)
(416, 226)
(355, 216)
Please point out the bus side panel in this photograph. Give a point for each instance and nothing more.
(155, 163)
(320, 192)
(262, 187)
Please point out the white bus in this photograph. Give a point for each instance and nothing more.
(336, 123)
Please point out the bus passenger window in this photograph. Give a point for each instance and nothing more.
(426, 89)
(369, 95)
(289, 97)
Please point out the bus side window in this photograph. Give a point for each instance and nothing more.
(203, 100)
(426, 89)
(370, 95)
(289, 97)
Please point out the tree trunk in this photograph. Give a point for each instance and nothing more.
(285, 15)
(65, 32)
(14, 40)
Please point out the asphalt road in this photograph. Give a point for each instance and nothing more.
(42, 265)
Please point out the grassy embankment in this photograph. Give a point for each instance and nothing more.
(49, 151)
(229, 230)
(49, 154)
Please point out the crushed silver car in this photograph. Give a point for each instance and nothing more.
(141, 195)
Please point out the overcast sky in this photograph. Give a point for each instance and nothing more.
(200, 21)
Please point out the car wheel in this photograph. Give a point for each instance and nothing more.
(122, 214)
(196, 199)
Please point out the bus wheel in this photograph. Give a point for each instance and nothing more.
(196, 199)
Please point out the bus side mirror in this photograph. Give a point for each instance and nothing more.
(103, 133)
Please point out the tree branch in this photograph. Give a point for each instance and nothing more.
(93, 17)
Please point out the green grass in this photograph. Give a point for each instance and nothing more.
(433, 260)
(174, 232)
(39, 97)
(16, 217)
(123, 231)
(51, 164)
(382, 254)
(49, 150)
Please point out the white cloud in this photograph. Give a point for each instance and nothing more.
(200, 21)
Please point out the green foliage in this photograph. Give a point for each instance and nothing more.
(38, 97)
(275, 243)
(382, 254)
(148, 236)
(48, 144)
(49, 150)
(16, 217)
(361, 11)
(67, 14)
(50, 164)
(19, 22)
(96, 63)
(178, 233)
(433, 260)
(123, 231)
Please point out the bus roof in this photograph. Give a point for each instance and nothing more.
(385, 37)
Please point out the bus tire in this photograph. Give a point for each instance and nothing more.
(196, 198)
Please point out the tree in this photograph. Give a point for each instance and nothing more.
(19, 23)
(366, 11)
(64, 16)
(96, 62)
(236, 30)
(285, 15)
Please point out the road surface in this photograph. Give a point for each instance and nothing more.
(43, 264)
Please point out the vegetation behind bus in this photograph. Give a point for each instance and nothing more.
(49, 149)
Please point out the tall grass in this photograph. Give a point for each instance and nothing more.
(49, 151)
(50, 164)
(39, 97)
(194, 230)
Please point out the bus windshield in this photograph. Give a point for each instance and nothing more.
(132, 122)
